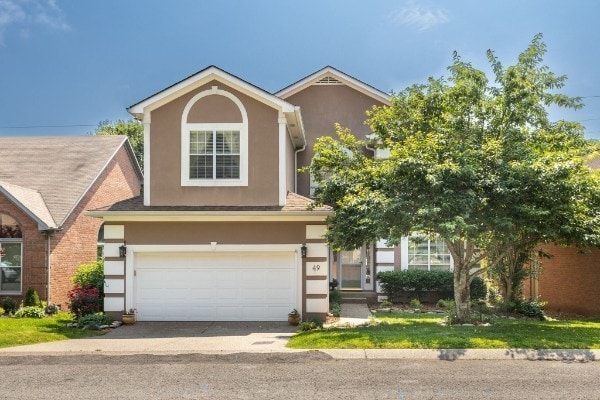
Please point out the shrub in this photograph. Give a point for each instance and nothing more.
(32, 299)
(416, 282)
(93, 320)
(91, 274)
(415, 303)
(386, 304)
(478, 288)
(335, 297)
(307, 326)
(9, 304)
(84, 300)
(445, 303)
(30, 312)
(530, 308)
(1, 311)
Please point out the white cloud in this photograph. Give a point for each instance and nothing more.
(420, 17)
(28, 13)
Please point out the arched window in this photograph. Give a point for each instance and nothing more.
(214, 140)
(11, 255)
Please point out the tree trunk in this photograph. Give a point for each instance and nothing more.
(462, 292)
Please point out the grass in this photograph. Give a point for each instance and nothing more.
(424, 331)
(20, 331)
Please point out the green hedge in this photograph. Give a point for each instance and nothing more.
(396, 284)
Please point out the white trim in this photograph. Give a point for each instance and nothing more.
(220, 248)
(186, 127)
(147, 120)
(202, 77)
(93, 181)
(175, 216)
(20, 242)
(282, 164)
(404, 254)
(340, 76)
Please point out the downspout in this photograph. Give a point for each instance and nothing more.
(48, 233)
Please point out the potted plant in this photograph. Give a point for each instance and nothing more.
(294, 317)
(128, 317)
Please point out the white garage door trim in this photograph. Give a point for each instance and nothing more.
(134, 250)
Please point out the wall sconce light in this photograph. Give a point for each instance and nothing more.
(123, 250)
(303, 251)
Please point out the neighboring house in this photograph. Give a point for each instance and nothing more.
(46, 184)
(225, 229)
(570, 280)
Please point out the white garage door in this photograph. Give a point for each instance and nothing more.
(215, 286)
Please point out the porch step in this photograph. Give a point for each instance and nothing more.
(354, 300)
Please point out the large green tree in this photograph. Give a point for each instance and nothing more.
(133, 129)
(478, 164)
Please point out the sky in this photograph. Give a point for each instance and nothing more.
(67, 65)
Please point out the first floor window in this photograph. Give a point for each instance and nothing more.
(428, 254)
(214, 154)
(11, 255)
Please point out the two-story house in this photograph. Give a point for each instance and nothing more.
(223, 230)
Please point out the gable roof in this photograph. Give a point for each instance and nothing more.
(331, 75)
(291, 112)
(47, 176)
(31, 202)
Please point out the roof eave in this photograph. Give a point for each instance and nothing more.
(343, 77)
(164, 96)
(42, 226)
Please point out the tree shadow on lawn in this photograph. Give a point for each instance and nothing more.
(525, 339)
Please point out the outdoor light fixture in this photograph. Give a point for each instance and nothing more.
(123, 250)
(303, 251)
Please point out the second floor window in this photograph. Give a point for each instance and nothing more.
(214, 154)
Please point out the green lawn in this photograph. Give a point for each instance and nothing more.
(19, 331)
(424, 331)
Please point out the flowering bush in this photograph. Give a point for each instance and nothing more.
(84, 300)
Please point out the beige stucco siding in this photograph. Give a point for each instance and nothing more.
(169, 233)
(322, 106)
(165, 149)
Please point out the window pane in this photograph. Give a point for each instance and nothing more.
(440, 267)
(228, 167)
(418, 266)
(201, 142)
(201, 167)
(228, 142)
(11, 255)
(10, 267)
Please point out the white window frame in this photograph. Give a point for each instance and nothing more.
(20, 242)
(404, 253)
(186, 128)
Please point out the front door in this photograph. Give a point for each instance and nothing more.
(351, 269)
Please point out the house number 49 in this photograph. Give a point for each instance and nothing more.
(316, 267)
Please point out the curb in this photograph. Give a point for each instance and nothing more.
(570, 355)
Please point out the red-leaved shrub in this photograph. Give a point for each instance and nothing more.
(84, 300)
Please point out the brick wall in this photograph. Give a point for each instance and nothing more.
(76, 244)
(34, 251)
(570, 281)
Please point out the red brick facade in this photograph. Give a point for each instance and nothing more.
(77, 242)
(570, 281)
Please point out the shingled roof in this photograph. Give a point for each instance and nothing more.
(46, 176)
(294, 203)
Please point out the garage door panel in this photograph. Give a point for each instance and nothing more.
(215, 286)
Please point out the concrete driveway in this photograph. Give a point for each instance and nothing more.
(176, 337)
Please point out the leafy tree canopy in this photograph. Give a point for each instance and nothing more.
(133, 129)
(473, 162)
